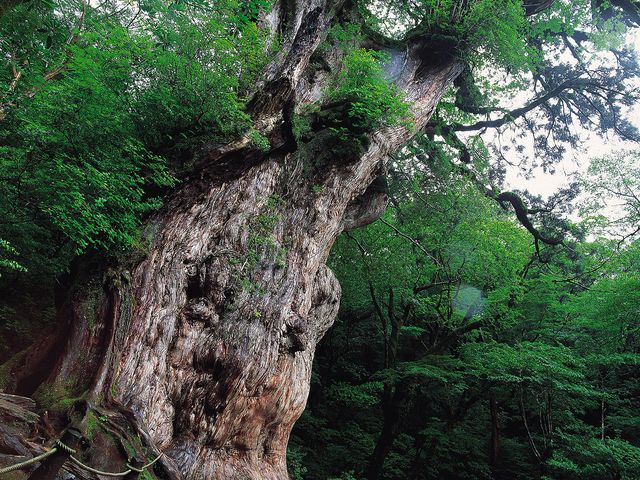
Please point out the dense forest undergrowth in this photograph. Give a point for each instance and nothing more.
(191, 192)
(462, 353)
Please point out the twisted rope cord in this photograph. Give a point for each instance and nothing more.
(98, 472)
(71, 451)
(144, 467)
(26, 463)
(64, 447)
(129, 469)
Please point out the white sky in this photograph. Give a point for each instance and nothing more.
(576, 161)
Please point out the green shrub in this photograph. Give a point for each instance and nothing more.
(85, 153)
(373, 101)
(482, 31)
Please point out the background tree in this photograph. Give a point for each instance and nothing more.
(445, 365)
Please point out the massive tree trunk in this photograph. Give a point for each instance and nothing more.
(205, 342)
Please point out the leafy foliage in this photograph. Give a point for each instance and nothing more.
(103, 106)
(464, 331)
(373, 101)
(98, 104)
(613, 177)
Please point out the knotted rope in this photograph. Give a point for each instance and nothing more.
(26, 463)
(61, 446)
(130, 468)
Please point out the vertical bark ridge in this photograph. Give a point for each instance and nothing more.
(210, 338)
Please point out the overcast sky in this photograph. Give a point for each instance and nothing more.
(545, 184)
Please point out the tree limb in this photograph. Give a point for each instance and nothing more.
(522, 213)
(572, 84)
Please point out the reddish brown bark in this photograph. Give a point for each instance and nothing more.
(206, 342)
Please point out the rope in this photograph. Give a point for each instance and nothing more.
(71, 451)
(64, 447)
(20, 465)
(129, 469)
(144, 467)
(98, 472)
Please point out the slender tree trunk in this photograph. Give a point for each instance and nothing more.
(494, 446)
(205, 341)
(602, 415)
(392, 404)
(382, 449)
(394, 395)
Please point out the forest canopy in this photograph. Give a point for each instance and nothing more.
(484, 331)
(164, 79)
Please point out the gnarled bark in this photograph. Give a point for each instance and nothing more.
(207, 342)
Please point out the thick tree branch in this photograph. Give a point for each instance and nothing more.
(573, 84)
(531, 7)
(522, 213)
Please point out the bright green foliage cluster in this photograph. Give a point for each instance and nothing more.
(5, 261)
(483, 31)
(206, 62)
(102, 106)
(495, 33)
(72, 152)
(373, 101)
(97, 104)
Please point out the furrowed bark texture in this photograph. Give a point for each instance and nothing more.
(208, 342)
